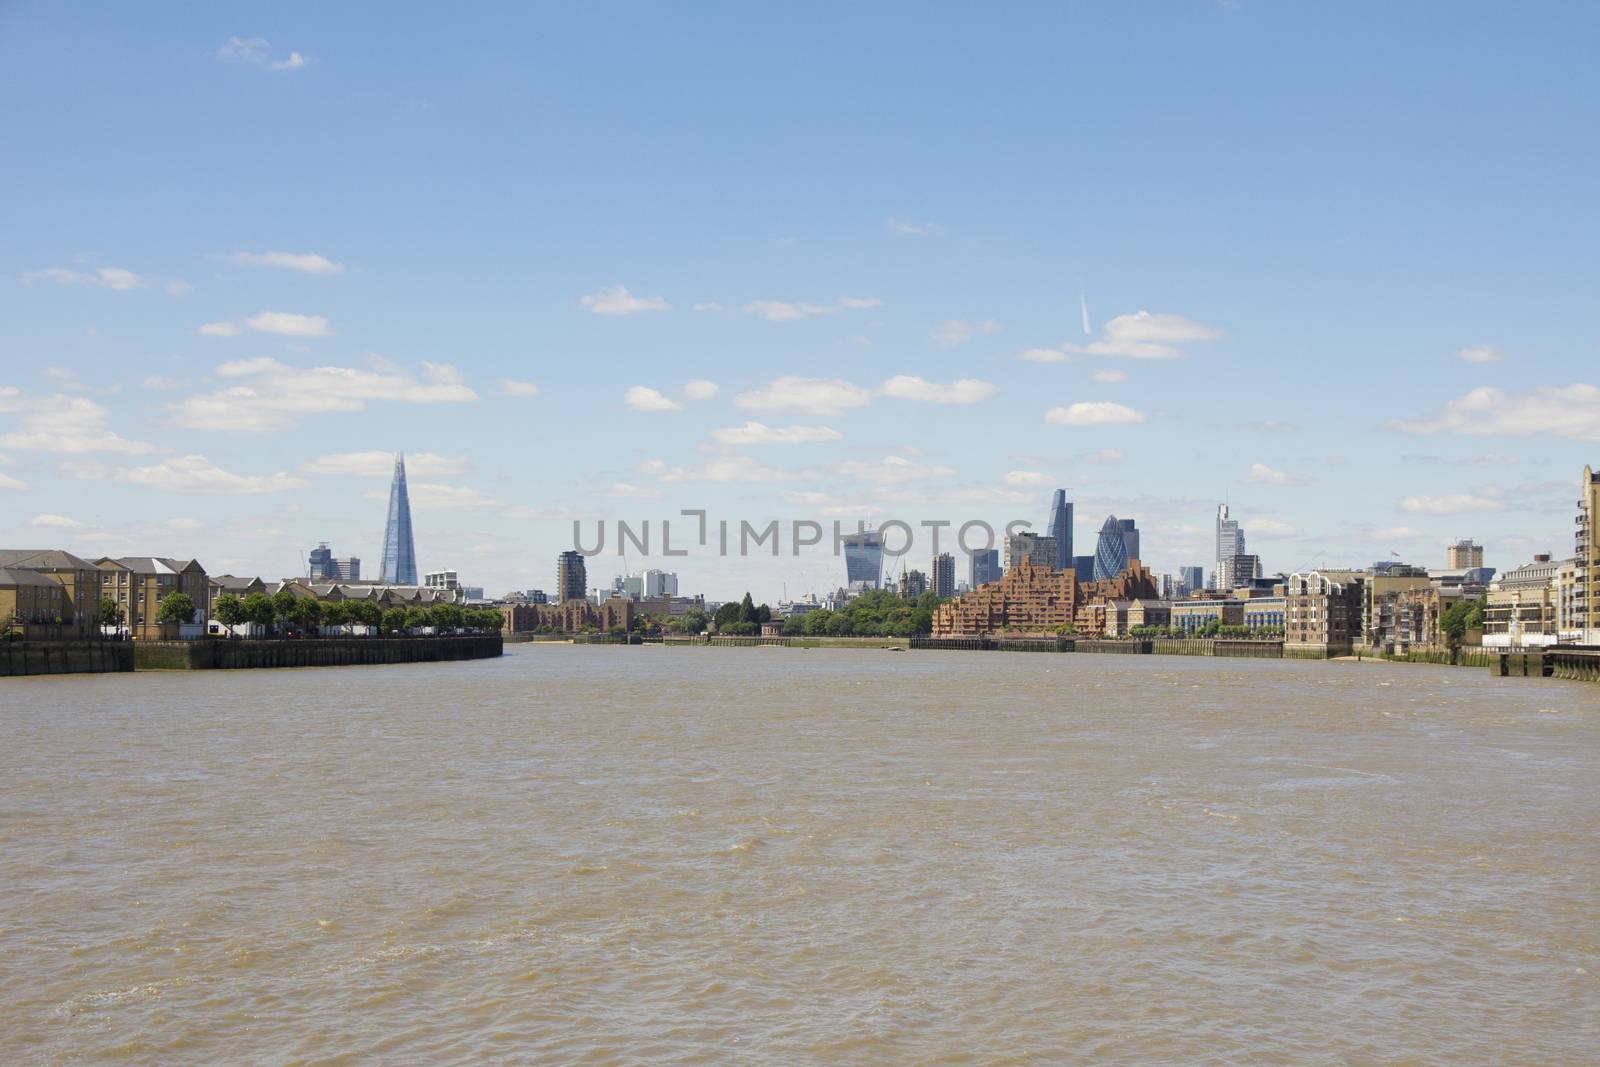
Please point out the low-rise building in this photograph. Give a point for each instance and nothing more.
(1196, 613)
(32, 604)
(1522, 608)
(1321, 615)
(140, 583)
(78, 578)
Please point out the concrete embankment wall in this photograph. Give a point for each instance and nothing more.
(64, 657)
(313, 652)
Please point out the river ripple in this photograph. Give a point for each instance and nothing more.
(696, 856)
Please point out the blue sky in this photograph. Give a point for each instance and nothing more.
(246, 244)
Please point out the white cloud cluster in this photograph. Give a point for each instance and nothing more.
(644, 398)
(792, 310)
(429, 496)
(1027, 478)
(722, 469)
(268, 395)
(954, 332)
(810, 396)
(114, 278)
(258, 53)
(1093, 413)
(960, 391)
(70, 425)
(380, 464)
(304, 262)
(755, 433)
(890, 470)
(278, 323)
(1145, 335)
(1262, 474)
(1452, 504)
(701, 389)
(511, 387)
(1571, 411)
(617, 300)
(1479, 354)
(187, 474)
(910, 228)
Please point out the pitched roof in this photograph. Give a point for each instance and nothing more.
(43, 559)
(19, 576)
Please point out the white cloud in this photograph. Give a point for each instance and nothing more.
(960, 391)
(268, 395)
(616, 300)
(1479, 354)
(1571, 411)
(1396, 533)
(426, 496)
(10, 398)
(644, 398)
(288, 324)
(1093, 413)
(1102, 455)
(1108, 377)
(1262, 474)
(379, 464)
(258, 53)
(811, 396)
(179, 287)
(891, 470)
(1451, 504)
(700, 389)
(954, 332)
(8, 482)
(1043, 355)
(908, 228)
(859, 303)
(1144, 335)
(1270, 528)
(790, 311)
(157, 383)
(72, 425)
(196, 474)
(114, 278)
(60, 522)
(755, 433)
(625, 490)
(510, 387)
(722, 469)
(218, 329)
(304, 262)
(1027, 478)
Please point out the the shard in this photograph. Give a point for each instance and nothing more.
(399, 552)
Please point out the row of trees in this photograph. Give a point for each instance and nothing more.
(879, 613)
(285, 613)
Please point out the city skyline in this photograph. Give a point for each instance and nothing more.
(223, 366)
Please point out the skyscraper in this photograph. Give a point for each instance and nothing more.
(1037, 549)
(985, 567)
(944, 575)
(1192, 578)
(399, 565)
(1059, 523)
(572, 577)
(1083, 568)
(1130, 538)
(1465, 553)
(1230, 543)
(863, 558)
(1111, 551)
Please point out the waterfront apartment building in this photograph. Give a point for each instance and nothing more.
(1038, 549)
(1321, 615)
(944, 576)
(1465, 554)
(140, 583)
(1380, 589)
(78, 578)
(1191, 615)
(1584, 600)
(1031, 599)
(1522, 608)
(983, 567)
(32, 604)
(572, 577)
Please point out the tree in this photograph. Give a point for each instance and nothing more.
(335, 612)
(176, 608)
(416, 618)
(283, 607)
(727, 613)
(306, 613)
(445, 617)
(693, 621)
(111, 613)
(394, 621)
(230, 610)
(747, 609)
(259, 609)
(364, 612)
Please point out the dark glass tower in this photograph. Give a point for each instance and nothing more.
(863, 558)
(1059, 523)
(399, 566)
(1111, 552)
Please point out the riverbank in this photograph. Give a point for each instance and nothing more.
(311, 652)
(21, 658)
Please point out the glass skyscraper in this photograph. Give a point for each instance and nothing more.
(1059, 524)
(399, 565)
(863, 558)
(1111, 551)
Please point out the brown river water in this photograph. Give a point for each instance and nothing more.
(704, 856)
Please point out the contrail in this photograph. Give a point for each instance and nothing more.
(1083, 302)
